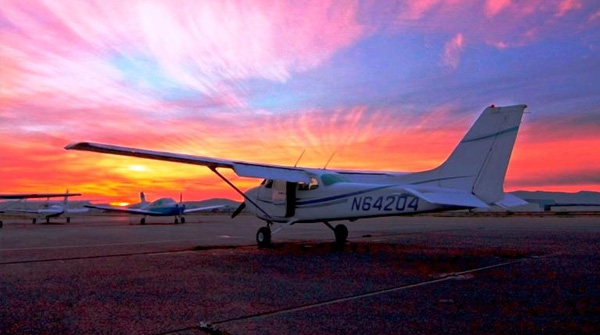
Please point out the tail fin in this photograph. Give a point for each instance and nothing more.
(66, 199)
(143, 198)
(479, 163)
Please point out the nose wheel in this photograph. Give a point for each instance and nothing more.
(263, 237)
(340, 231)
(341, 234)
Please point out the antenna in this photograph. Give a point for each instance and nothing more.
(329, 160)
(302, 154)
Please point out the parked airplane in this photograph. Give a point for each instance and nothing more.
(160, 207)
(471, 177)
(22, 196)
(48, 210)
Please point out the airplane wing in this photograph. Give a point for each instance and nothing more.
(37, 195)
(29, 211)
(449, 197)
(122, 210)
(202, 209)
(242, 169)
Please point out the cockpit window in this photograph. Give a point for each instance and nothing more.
(330, 179)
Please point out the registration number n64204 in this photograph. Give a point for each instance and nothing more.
(388, 203)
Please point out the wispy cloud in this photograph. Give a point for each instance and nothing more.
(452, 51)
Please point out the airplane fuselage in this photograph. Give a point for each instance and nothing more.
(340, 201)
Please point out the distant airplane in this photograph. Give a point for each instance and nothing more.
(48, 210)
(473, 176)
(160, 207)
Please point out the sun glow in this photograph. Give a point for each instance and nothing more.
(138, 168)
(120, 204)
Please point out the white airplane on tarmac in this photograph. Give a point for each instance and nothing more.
(48, 210)
(160, 207)
(471, 177)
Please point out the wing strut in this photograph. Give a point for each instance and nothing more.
(214, 169)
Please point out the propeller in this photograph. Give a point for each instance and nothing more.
(181, 205)
(238, 210)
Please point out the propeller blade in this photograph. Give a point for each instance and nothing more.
(238, 210)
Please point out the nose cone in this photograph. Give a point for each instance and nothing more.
(252, 193)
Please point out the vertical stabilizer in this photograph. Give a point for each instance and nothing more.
(479, 162)
(143, 198)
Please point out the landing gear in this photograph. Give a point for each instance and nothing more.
(1, 224)
(341, 234)
(182, 220)
(176, 221)
(340, 231)
(68, 220)
(143, 221)
(47, 220)
(33, 221)
(263, 237)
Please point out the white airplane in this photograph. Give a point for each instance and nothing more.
(160, 207)
(48, 210)
(471, 177)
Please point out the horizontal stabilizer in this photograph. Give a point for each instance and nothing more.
(510, 200)
(448, 197)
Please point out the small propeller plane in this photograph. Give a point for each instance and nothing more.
(160, 207)
(48, 210)
(471, 177)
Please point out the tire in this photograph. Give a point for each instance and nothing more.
(1, 224)
(263, 237)
(33, 221)
(68, 220)
(143, 221)
(341, 234)
(182, 220)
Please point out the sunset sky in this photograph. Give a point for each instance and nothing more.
(386, 85)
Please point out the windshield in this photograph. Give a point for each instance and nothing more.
(330, 179)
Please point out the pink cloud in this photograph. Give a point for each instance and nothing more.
(69, 47)
(493, 7)
(566, 6)
(452, 51)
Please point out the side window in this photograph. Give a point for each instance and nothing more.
(314, 183)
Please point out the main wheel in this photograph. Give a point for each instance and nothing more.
(175, 221)
(33, 220)
(182, 220)
(68, 220)
(143, 221)
(1, 224)
(47, 220)
(341, 234)
(263, 237)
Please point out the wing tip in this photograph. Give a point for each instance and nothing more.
(77, 145)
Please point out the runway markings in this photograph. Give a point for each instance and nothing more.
(462, 275)
(105, 244)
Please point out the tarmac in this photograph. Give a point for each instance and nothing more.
(400, 275)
